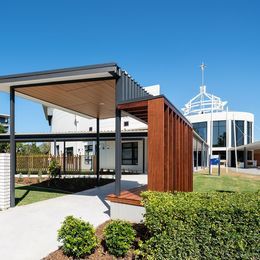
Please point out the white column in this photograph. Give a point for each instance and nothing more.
(4, 181)
(245, 132)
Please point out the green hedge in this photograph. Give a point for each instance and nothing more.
(119, 237)
(202, 225)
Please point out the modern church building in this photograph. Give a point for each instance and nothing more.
(222, 130)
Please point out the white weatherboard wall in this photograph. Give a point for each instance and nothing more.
(4, 181)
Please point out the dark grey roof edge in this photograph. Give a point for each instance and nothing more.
(80, 136)
(40, 74)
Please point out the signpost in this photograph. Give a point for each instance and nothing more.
(214, 160)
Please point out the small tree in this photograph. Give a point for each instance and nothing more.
(45, 148)
(54, 169)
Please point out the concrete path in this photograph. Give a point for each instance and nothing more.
(30, 232)
(248, 171)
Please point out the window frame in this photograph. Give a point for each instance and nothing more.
(220, 126)
(249, 129)
(129, 148)
(197, 126)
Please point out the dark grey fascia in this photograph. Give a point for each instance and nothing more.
(80, 136)
(110, 68)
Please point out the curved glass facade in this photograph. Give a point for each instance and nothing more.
(219, 133)
(240, 130)
(249, 132)
(201, 129)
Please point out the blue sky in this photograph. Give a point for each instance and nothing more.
(155, 41)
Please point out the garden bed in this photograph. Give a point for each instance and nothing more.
(217, 225)
(101, 251)
(65, 184)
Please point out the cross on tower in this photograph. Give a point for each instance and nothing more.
(202, 67)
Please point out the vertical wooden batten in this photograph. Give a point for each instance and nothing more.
(169, 148)
(169, 144)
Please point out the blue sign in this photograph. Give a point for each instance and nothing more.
(214, 160)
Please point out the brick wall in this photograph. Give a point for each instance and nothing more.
(4, 181)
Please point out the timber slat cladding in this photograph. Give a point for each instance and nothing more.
(131, 197)
(156, 145)
(95, 99)
(170, 148)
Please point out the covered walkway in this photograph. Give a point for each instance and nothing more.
(247, 156)
(106, 91)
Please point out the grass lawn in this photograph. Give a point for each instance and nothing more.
(26, 194)
(231, 181)
(30, 190)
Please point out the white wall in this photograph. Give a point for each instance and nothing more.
(66, 122)
(107, 154)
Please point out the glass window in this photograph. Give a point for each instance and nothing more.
(130, 153)
(219, 133)
(58, 150)
(69, 151)
(249, 132)
(239, 126)
(3, 120)
(222, 154)
(201, 130)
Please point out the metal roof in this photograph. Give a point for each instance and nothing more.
(87, 87)
(252, 146)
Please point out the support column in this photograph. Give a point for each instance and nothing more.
(202, 156)
(197, 156)
(55, 148)
(118, 153)
(97, 152)
(143, 155)
(64, 157)
(12, 147)
(245, 158)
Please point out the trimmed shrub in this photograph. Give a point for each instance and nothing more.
(119, 237)
(77, 237)
(54, 169)
(202, 225)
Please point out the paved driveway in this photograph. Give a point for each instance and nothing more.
(30, 232)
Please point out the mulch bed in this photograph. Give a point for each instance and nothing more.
(101, 251)
(66, 184)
